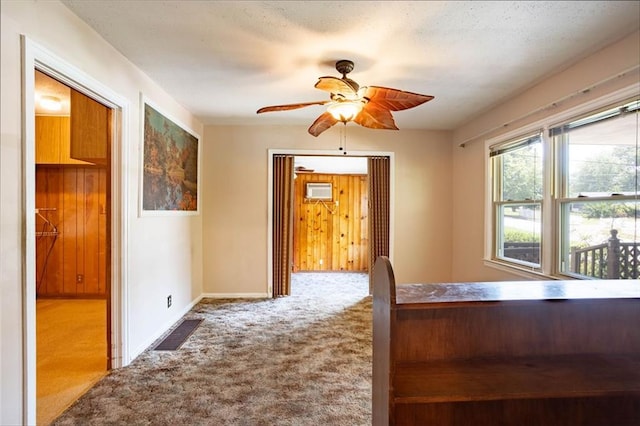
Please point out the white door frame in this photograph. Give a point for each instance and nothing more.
(324, 153)
(36, 57)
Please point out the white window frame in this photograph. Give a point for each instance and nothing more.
(551, 204)
(499, 203)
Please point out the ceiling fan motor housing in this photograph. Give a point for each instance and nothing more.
(344, 66)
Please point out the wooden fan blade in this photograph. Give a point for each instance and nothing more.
(290, 106)
(394, 99)
(374, 116)
(322, 123)
(336, 85)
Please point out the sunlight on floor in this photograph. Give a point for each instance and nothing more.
(71, 352)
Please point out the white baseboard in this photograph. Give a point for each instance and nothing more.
(234, 296)
(164, 327)
(179, 314)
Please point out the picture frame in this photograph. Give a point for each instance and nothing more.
(170, 165)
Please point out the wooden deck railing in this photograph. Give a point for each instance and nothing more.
(611, 260)
(526, 252)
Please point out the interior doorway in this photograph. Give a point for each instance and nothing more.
(330, 214)
(72, 240)
(281, 205)
(35, 57)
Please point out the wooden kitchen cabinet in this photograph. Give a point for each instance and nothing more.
(53, 141)
(90, 129)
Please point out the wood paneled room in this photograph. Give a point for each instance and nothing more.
(72, 244)
(330, 219)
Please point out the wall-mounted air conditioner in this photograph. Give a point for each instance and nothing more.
(319, 191)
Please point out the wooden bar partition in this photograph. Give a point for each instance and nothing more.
(505, 353)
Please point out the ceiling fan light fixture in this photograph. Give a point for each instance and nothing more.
(345, 110)
(368, 106)
(51, 103)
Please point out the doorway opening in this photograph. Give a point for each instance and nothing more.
(330, 214)
(43, 222)
(72, 186)
(332, 221)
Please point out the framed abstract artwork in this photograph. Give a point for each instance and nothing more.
(170, 165)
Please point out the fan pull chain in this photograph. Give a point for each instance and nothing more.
(343, 139)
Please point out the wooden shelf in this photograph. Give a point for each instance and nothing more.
(568, 376)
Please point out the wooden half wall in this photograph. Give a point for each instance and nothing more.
(331, 235)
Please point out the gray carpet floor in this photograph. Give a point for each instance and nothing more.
(304, 359)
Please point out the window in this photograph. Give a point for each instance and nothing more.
(598, 194)
(583, 221)
(517, 200)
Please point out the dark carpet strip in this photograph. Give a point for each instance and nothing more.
(177, 337)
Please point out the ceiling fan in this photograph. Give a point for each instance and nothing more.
(368, 106)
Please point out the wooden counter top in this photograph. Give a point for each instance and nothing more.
(501, 291)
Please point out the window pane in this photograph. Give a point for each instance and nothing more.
(522, 173)
(600, 239)
(603, 158)
(519, 232)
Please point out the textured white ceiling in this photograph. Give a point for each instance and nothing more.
(223, 60)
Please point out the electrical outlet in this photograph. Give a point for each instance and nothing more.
(168, 301)
(79, 278)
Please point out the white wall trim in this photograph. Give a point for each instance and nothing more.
(165, 327)
(235, 295)
(330, 153)
(520, 272)
(178, 315)
(34, 57)
(28, 234)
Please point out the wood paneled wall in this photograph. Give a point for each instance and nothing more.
(331, 235)
(73, 262)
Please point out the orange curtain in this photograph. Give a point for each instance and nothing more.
(282, 224)
(379, 192)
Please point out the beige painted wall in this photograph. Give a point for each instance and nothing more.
(235, 209)
(164, 255)
(617, 65)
